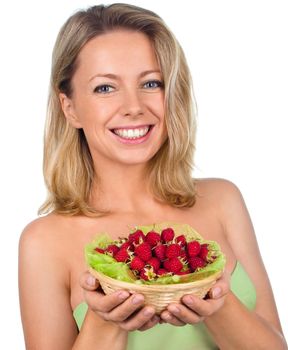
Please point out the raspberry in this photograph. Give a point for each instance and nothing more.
(183, 255)
(175, 265)
(137, 264)
(136, 237)
(173, 250)
(196, 263)
(147, 274)
(203, 254)
(193, 248)
(143, 275)
(126, 245)
(153, 238)
(112, 249)
(160, 251)
(167, 235)
(144, 251)
(155, 263)
(122, 255)
(181, 240)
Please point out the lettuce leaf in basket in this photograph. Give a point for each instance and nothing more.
(105, 263)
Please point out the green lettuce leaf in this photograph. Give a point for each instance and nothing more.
(107, 265)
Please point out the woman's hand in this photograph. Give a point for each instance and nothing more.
(193, 310)
(121, 307)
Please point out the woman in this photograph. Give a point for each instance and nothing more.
(119, 147)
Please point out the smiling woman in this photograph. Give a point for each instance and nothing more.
(119, 148)
(120, 73)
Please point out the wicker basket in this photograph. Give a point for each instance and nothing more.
(158, 296)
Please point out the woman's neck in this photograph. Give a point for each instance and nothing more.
(122, 188)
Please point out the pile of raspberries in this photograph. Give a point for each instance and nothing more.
(157, 254)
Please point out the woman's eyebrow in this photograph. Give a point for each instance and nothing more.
(117, 77)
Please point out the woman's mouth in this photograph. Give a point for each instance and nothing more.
(133, 135)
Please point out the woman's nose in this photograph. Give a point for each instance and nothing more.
(132, 104)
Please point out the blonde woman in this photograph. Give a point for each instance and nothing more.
(119, 146)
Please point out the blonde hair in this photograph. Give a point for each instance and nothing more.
(68, 166)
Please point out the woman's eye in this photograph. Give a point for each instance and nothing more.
(153, 84)
(103, 89)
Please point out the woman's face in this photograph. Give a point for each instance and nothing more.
(118, 98)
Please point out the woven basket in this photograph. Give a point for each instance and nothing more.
(158, 296)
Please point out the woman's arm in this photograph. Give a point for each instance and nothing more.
(44, 292)
(231, 324)
(235, 327)
(99, 334)
(244, 329)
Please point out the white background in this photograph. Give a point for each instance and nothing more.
(237, 51)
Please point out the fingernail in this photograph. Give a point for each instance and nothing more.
(137, 299)
(148, 312)
(167, 316)
(174, 309)
(91, 281)
(123, 295)
(216, 292)
(189, 300)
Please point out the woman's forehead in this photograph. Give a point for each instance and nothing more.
(118, 50)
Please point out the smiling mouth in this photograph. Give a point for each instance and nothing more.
(132, 134)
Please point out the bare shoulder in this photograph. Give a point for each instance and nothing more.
(216, 187)
(224, 196)
(40, 225)
(41, 244)
(43, 231)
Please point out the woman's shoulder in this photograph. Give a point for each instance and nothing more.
(41, 226)
(217, 190)
(232, 212)
(42, 232)
(225, 199)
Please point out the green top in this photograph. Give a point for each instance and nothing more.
(187, 337)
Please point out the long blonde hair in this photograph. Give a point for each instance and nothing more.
(68, 166)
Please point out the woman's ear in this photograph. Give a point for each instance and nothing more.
(68, 110)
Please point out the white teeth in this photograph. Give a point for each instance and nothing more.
(131, 133)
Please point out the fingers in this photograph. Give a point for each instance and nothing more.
(101, 302)
(168, 317)
(179, 315)
(142, 320)
(199, 306)
(151, 323)
(127, 308)
(221, 287)
(121, 307)
(88, 281)
(193, 309)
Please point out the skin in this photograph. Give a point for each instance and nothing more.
(51, 261)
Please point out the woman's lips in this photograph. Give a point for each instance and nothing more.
(135, 140)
